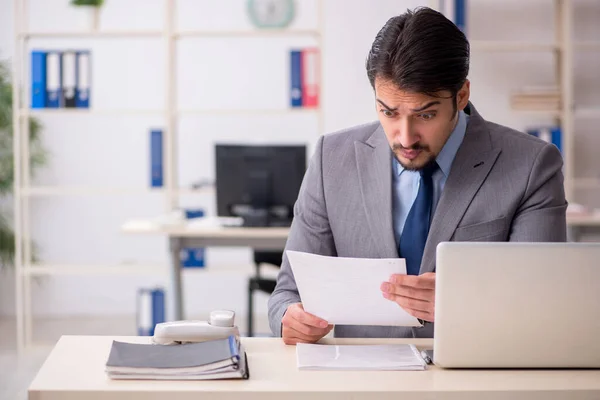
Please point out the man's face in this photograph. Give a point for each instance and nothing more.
(416, 125)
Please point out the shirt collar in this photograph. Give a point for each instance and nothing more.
(446, 156)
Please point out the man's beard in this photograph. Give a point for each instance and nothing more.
(411, 166)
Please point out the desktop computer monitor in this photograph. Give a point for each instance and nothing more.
(259, 183)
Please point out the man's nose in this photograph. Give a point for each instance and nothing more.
(406, 134)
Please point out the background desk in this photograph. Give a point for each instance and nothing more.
(75, 370)
(184, 235)
(580, 224)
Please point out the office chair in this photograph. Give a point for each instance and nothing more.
(262, 284)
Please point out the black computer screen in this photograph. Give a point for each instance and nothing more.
(259, 183)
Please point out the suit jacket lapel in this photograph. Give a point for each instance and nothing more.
(473, 162)
(374, 164)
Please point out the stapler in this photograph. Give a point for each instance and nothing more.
(220, 325)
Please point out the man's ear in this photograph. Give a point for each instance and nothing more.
(463, 95)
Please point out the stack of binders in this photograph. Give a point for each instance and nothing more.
(209, 360)
(60, 79)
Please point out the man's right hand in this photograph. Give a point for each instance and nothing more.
(298, 326)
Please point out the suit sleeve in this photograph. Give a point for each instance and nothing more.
(541, 216)
(310, 232)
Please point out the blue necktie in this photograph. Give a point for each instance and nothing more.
(416, 227)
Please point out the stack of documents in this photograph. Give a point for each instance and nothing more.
(386, 357)
(214, 359)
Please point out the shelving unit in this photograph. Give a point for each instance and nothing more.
(25, 268)
(578, 223)
(564, 47)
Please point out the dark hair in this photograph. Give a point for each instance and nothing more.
(420, 51)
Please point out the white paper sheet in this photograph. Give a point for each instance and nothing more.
(347, 291)
(385, 357)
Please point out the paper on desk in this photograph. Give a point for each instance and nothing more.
(384, 357)
(347, 291)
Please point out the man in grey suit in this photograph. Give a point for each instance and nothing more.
(430, 170)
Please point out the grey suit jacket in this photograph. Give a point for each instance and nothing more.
(504, 185)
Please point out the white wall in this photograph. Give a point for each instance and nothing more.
(99, 150)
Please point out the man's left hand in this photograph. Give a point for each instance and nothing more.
(414, 293)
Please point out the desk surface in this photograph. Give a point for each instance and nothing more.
(191, 230)
(75, 370)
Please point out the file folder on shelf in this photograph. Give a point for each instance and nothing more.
(460, 14)
(193, 257)
(82, 96)
(296, 78)
(69, 78)
(53, 79)
(310, 77)
(549, 134)
(150, 310)
(456, 11)
(156, 158)
(38, 79)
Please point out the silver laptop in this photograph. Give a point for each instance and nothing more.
(517, 305)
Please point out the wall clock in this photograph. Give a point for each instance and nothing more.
(271, 13)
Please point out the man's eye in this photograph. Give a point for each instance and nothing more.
(426, 116)
(387, 113)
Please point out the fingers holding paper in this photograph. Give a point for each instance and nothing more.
(298, 326)
(414, 293)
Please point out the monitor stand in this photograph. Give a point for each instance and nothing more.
(260, 217)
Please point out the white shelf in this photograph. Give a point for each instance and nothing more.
(92, 34)
(92, 111)
(588, 112)
(40, 269)
(181, 34)
(588, 45)
(553, 113)
(490, 45)
(52, 191)
(264, 111)
(87, 111)
(248, 33)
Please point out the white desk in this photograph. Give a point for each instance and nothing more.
(75, 371)
(184, 235)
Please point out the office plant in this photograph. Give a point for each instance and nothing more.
(95, 3)
(38, 157)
